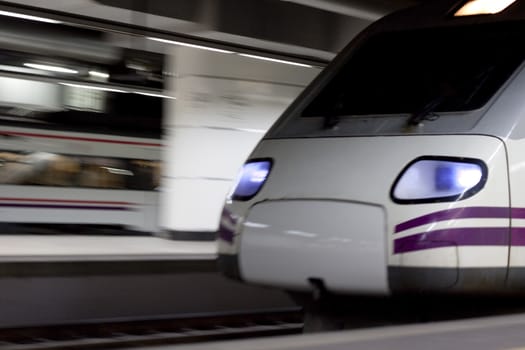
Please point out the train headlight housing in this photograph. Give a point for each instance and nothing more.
(439, 179)
(251, 179)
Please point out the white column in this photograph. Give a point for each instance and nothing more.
(225, 103)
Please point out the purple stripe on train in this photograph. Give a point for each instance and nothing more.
(469, 236)
(462, 213)
(518, 236)
(225, 232)
(61, 206)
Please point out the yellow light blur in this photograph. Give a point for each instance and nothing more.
(483, 7)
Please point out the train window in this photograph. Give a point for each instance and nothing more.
(443, 69)
(51, 169)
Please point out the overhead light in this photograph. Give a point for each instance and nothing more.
(483, 7)
(17, 69)
(96, 74)
(189, 45)
(276, 60)
(92, 87)
(56, 69)
(102, 88)
(227, 51)
(154, 95)
(31, 18)
(137, 66)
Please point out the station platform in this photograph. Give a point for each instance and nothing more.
(46, 248)
(64, 279)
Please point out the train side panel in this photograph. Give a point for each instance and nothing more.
(64, 177)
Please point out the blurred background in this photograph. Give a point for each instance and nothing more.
(134, 116)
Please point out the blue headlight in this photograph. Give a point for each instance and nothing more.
(429, 179)
(457, 176)
(251, 179)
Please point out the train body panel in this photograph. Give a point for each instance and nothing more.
(55, 205)
(286, 242)
(51, 176)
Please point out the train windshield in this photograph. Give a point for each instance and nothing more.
(405, 72)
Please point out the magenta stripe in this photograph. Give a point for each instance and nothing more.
(518, 236)
(225, 234)
(58, 200)
(227, 217)
(76, 138)
(473, 236)
(461, 213)
(59, 206)
(518, 213)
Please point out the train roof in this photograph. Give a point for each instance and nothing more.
(440, 13)
(432, 14)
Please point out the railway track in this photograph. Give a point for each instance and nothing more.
(115, 335)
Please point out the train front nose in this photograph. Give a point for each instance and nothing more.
(291, 242)
(320, 216)
(330, 209)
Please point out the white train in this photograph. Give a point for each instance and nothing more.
(80, 129)
(62, 170)
(400, 169)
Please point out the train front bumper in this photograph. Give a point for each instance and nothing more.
(290, 242)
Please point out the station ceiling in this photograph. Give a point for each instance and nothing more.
(310, 28)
